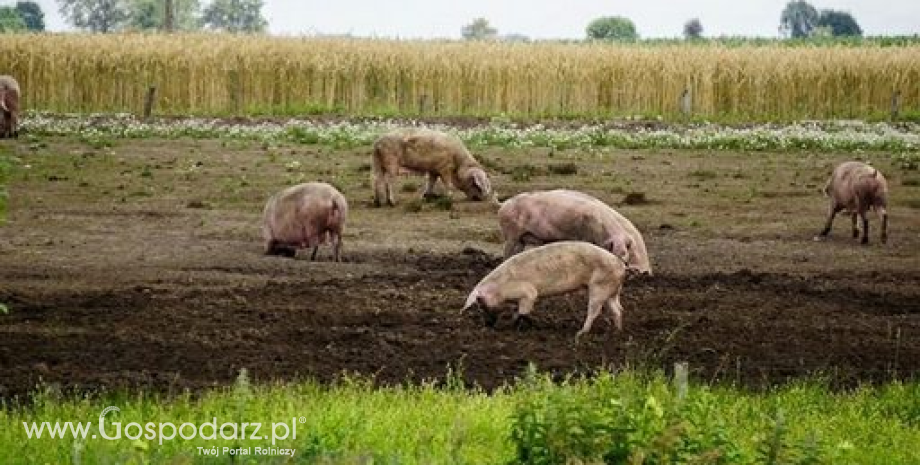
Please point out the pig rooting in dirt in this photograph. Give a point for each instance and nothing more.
(856, 187)
(432, 153)
(304, 216)
(557, 268)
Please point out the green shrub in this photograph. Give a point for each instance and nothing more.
(444, 202)
(636, 419)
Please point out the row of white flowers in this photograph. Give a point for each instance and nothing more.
(820, 135)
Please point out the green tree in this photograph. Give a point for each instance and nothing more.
(10, 21)
(235, 16)
(32, 14)
(96, 15)
(841, 23)
(479, 29)
(798, 19)
(612, 28)
(151, 14)
(693, 29)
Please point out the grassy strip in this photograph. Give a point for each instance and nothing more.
(821, 136)
(625, 418)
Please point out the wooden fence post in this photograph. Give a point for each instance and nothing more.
(423, 103)
(236, 93)
(148, 102)
(686, 102)
(895, 104)
(680, 379)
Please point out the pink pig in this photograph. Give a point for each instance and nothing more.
(304, 216)
(542, 217)
(856, 187)
(554, 269)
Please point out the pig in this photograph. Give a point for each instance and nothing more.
(304, 216)
(541, 217)
(430, 152)
(856, 187)
(638, 257)
(553, 269)
(9, 107)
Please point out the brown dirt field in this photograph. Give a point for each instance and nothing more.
(140, 266)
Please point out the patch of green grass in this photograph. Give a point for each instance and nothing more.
(489, 163)
(408, 187)
(563, 169)
(703, 174)
(303, 135)
(740, 175)
(635, 198)
(772, 194)
(444, 202)
(141, 193)
(627, 417)
(523, 173)
(98, 141)
(414, 205)
(907, 161)
(912, 182)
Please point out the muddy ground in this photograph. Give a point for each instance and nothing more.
(139, 266)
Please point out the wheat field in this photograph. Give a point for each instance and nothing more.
(210, 74)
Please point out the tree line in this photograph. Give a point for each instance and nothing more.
(140, 15)
(799, 19)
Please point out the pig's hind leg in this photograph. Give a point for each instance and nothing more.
(600, 296)
(615, 310)
(832, 211)
(336, 238)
